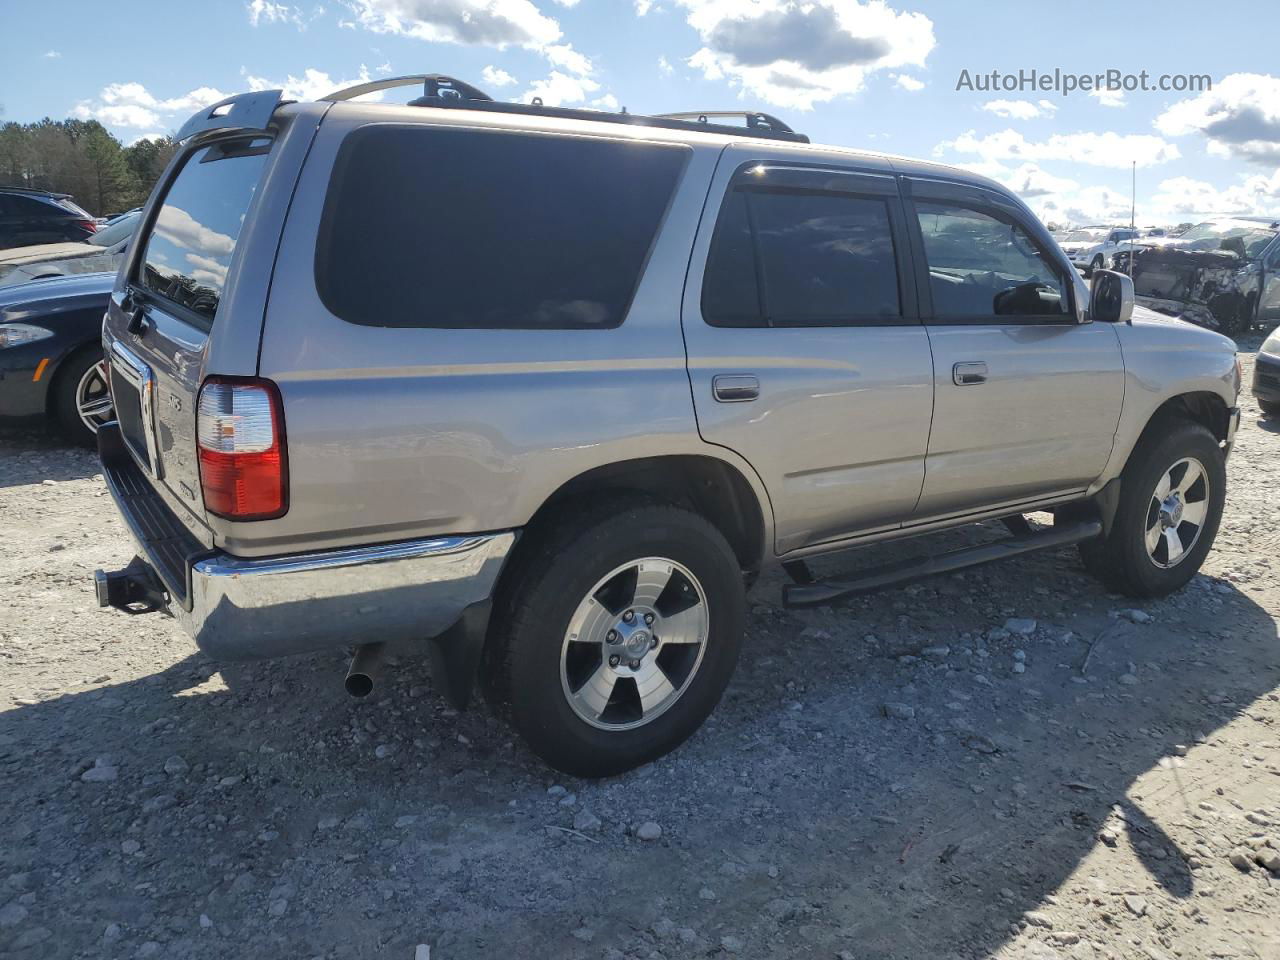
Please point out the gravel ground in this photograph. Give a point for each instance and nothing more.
(1004, 763)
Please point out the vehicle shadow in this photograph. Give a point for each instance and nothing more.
(801, 820)
(33, 454)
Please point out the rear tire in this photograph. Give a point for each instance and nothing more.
(1096, 264)
(1172, 493)
(593, 706)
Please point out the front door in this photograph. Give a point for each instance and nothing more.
(1027, 398)
(805, 352)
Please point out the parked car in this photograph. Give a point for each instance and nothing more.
(51, 353)
(1221, 274)
(549, 440)
(37, 216)
(1073, 242)
(101, 252)
(1266, 375)
(1097, 255)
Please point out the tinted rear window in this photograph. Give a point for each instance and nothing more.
(780, 258)
(434, 227)
(189, 250)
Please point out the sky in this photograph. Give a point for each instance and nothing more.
(902, 77)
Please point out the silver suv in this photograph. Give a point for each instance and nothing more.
(539, 390)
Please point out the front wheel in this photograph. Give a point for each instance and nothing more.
(81, 396)
(1172, 493)
(617, 633)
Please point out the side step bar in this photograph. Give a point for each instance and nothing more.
(796, 595)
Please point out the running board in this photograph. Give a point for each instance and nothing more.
(796, 595)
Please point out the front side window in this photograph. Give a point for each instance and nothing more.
(801, 258)
(189, 250)
(438, 227)
(983, 266)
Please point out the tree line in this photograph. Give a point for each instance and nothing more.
(82, 158)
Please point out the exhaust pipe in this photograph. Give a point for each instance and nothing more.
(364, 669)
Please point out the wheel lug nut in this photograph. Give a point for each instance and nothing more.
(614, 660)
(653, 643)
(628, 616)
(648, 619)
(612, 636)
(635, 664)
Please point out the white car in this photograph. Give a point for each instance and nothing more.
(99, 254)
(1097, 255)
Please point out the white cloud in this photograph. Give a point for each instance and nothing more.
(561, 89)
(1240, 117)
(607, 102)
(563, 55)
(492, 23)
(264, 11)
(312, 85)
(643, 7)
(51, 54)
(494, 77)
(133, 106)
(185, 231)
(908, 82)
(567, 3)
(1096, 149)
(1109, 98)
(797, 55)
(1184, 198)
(1020, 109)
(664, 67)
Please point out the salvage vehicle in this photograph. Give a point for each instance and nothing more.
(51, 353)
(100, 253)
(1266, 375)
(550, 439)
(1221, 274)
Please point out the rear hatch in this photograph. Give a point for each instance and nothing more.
(162, 318)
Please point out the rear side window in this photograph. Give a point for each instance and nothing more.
(801, 258)
(189, 250)
(436, 227)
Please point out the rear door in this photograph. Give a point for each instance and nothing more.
(159, 325)
(1027, 398)
(805, 352)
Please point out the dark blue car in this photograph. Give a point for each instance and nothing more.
(51, 352)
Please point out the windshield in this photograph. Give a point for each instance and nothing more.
(110, 235)
(1209, 236)
(1077, 236)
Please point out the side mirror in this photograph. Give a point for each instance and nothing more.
(1110, 297)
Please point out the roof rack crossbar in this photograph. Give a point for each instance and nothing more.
(755, 119)
(443, 91)
(435, 87)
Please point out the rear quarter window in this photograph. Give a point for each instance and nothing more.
(440, 227)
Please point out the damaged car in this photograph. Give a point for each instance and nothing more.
(1221, 274)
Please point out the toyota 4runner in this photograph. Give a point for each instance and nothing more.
(541, 389)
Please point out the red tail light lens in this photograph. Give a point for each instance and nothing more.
(90, 225)
(240, 436)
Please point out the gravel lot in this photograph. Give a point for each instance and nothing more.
(1006, 763)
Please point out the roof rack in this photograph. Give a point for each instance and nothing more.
(443, 91)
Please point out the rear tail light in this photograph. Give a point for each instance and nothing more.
(240, 436)
(90, 225)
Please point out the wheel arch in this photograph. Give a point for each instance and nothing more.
(58, 368)
(714, 488)
(1201, 406)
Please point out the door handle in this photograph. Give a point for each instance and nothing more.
(969, 373)
(735, 388)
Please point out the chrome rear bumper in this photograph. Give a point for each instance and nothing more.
(240, 608)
